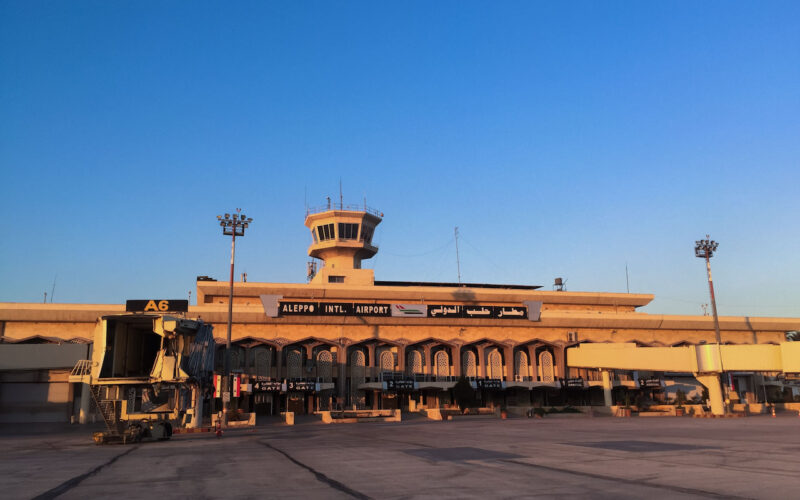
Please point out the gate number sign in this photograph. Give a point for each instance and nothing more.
(156, 305)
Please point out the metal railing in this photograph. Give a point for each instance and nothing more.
(81, 368)
(342, 206)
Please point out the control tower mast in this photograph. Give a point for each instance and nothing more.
(342, 237)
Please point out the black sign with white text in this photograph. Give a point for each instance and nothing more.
(491, 383)
(301, 385)
(477, 312)
(400, 385)
(157, 305)
(267, 385)
(574, 382)
(650, 383)
(296, 308)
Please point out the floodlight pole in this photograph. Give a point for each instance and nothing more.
(232, 226)
(713, 299)
(228, 381)
(705, 249)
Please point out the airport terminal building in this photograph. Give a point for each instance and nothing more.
(345, 340)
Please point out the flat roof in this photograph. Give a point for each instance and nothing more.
(456, 285)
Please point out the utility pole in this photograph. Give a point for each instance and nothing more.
(232, 226)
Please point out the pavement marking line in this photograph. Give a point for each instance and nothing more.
(320, 476)
(677, 489)
(75, 481)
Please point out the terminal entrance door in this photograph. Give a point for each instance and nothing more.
(262, 403)
(389, 401)
(296, 403)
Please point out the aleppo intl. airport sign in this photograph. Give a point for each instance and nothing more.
(287, 308)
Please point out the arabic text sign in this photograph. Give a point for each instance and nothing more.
(477, 312)
(300, 385)
(650, 382)
(268, 385)
(490, 383)
(400, 385)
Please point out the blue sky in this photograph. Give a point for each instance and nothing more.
(563, 139)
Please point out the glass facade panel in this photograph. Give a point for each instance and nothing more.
(348, 231)
(366, 234)
(325, 232)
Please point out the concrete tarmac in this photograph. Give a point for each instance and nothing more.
(554, 457)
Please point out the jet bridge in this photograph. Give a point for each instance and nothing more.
(148, 373)
(706, 361)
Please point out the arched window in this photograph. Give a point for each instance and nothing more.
(387, 361)
(324, 365)
(357, 377)
(358, 363)
(294, 364)
(442, 364)
(236, 359)
(521, 365)
(415, 363)
(495, 365)
(468, 364)
(263, 362)
(546, 365)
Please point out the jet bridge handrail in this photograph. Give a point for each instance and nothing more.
(82, 368)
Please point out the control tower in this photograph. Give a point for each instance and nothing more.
(342, 238)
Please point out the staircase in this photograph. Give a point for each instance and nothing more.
(108, 409)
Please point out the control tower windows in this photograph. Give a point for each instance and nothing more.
(325, 232)
(366, 234)
(348, 231)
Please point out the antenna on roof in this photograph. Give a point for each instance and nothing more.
(627, 282)
(341, 197)
(458, 260)
(53, 291)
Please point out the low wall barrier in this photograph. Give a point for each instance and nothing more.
(357, 416)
